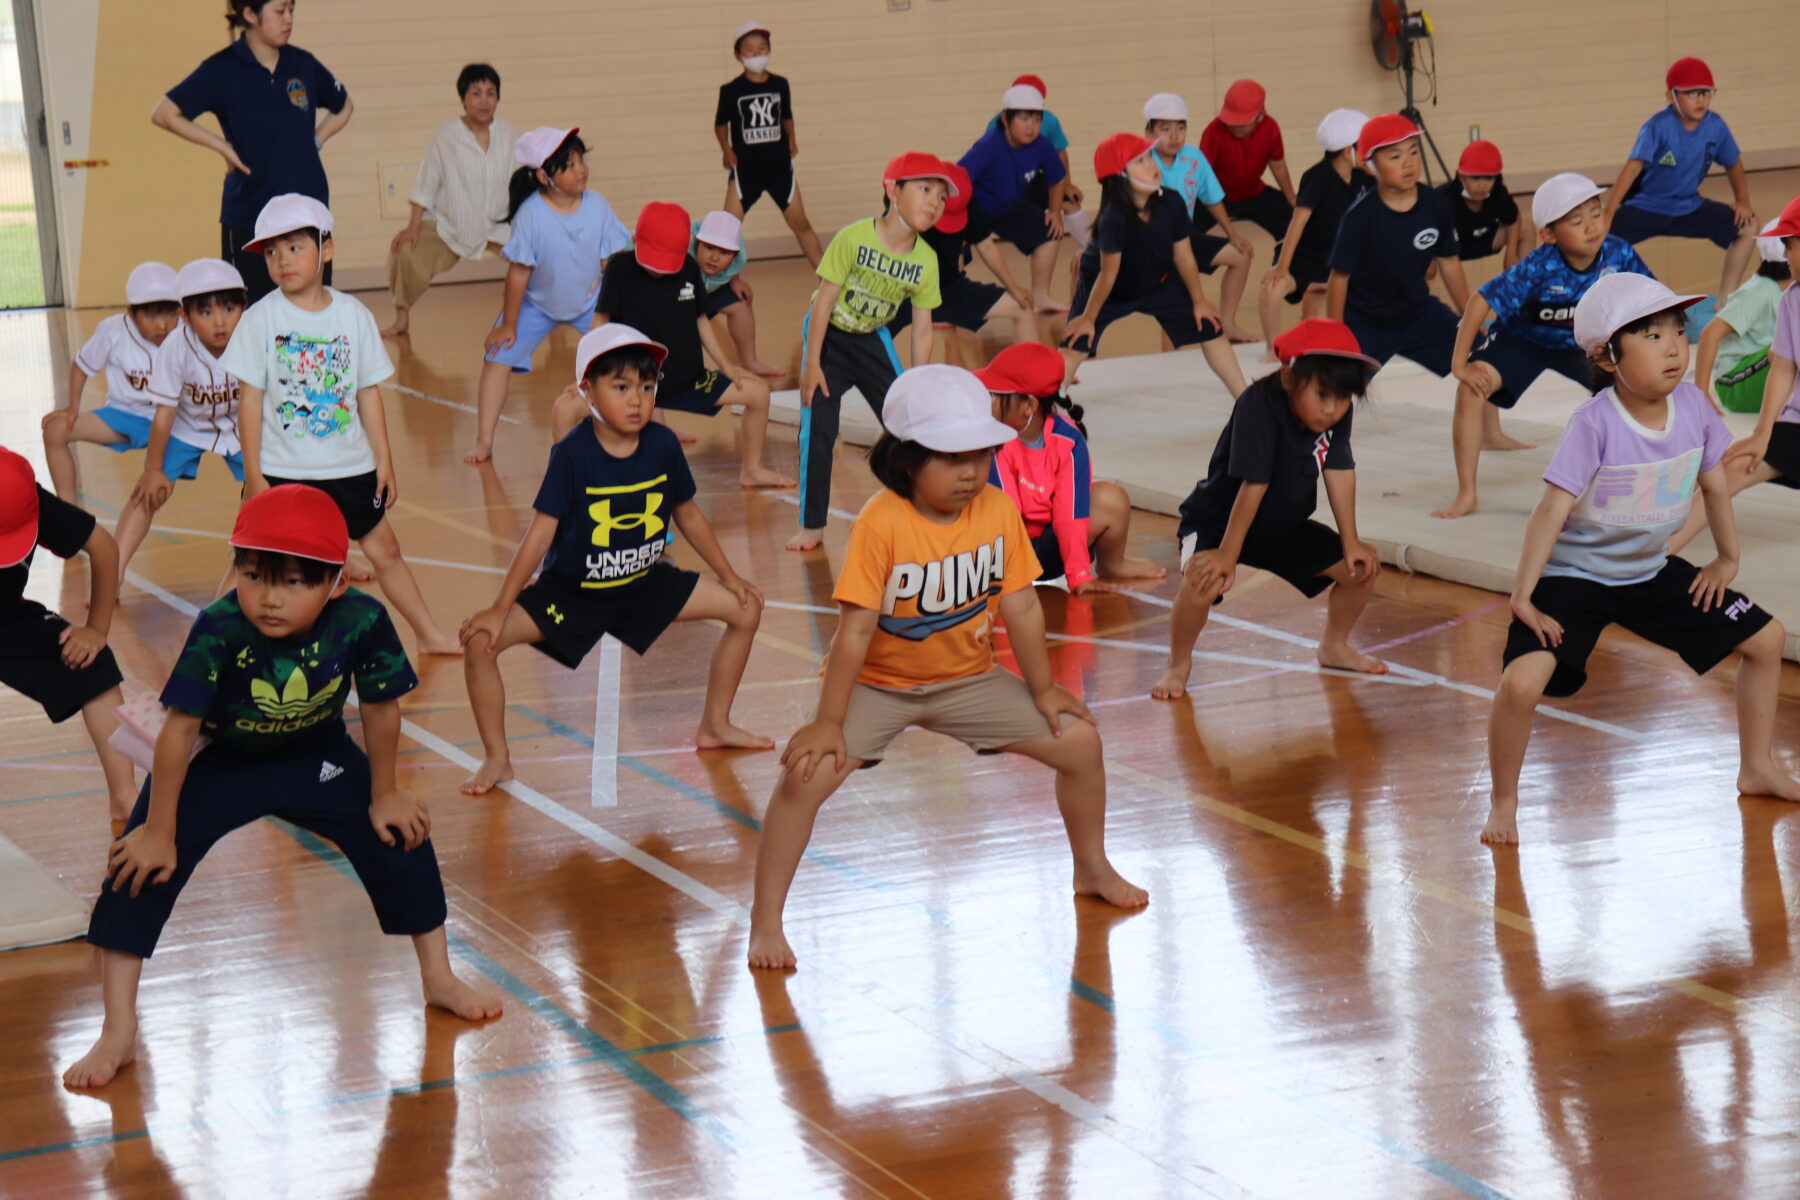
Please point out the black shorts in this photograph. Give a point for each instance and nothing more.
(1049, 554)
(355, 497)
(1306, 271)
(1658, 610)
(1520, 362)
(720, 299)
(1784, 454)
(1170, 304)
(1428, 337)
(572, 619)
(701, 396)
(1300, 555)
(774, 178)
(31, 662)
(1714, 221)
(1023, 226)
(1206, 248)
(963, 303)
(1268, 208)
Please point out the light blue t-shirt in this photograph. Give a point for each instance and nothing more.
(1676, 159)
(565, 252)
(1051, 132)
(1193, 177)
(715, 282)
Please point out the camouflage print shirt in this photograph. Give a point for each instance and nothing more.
(255, 695)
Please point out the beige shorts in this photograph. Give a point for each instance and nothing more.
(985, 712)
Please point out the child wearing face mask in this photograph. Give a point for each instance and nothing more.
(755, 127)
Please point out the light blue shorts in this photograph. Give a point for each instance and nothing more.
(534, 326)
(182, 461)
(135, 429)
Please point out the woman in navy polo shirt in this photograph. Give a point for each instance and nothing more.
(267, 96)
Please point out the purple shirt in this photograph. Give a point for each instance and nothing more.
(1633, 486)
(1787, 345)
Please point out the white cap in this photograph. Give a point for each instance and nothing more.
(1772, 249)
(1615, 301)
(286, 213)
(205, 275)
(534, 147)
(1341, 127)
(151, 282)
(748, 28)
(1165, 106)
(1022, 96)
(943, 408)
(1559, 195)
(721, 229)
(609, 337)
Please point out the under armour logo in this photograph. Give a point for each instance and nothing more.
(329, 771)
(550, 611)
(1737, 608)
(647, 521)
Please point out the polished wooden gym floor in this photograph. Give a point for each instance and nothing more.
(1336, 991)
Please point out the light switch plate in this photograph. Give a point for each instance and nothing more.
(396, 186)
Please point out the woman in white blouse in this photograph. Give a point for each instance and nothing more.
(458, 196)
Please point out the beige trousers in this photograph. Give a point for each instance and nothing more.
(411, 270)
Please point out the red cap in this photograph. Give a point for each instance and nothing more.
(1386, 130)
(955, 217)
(916, 164)
(1243, 102)
(1112, 155)
(1687, 73)
(662, 236)
(1321, 335)
(18, 508)
(293, 518)
(1032, 81)
(1480, 158)
(1787, 225)
(1029, 368)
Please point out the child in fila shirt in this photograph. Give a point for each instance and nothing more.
(933, 558)
(309, 360)
(1597, 546)
(195, 396)
(124, 347)
(603, 566)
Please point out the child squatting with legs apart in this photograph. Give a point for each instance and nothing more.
(932, 559)
(265, 674)
(1596, 547)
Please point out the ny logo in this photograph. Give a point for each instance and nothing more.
(762, 110)
(647, 521)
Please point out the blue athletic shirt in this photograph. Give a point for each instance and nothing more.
(1051, 131)
(1192, 176)
(565, 252)
(613, 514)
(1002, 172)
(1676, 159)
(1536, 299)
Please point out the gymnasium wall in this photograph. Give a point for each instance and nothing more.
(1558, 84)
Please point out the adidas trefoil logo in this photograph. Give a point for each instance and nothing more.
(295, 700)
(329, 771)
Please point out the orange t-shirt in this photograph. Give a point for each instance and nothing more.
(935, 586)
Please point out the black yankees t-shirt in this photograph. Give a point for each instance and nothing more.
(1264, 442)
(664, 308)
(755, 112)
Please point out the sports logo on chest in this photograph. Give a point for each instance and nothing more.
(296, 94)
(1322, 447)
(1425, 239)
(946, 591)
(761, 118)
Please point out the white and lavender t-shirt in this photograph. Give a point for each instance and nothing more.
(1787, 344)
(1633, 486)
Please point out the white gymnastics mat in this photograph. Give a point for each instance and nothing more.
(35, 910)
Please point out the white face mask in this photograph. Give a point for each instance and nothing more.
(756, 63)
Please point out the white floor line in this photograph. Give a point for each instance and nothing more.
(439, 400)
(1276, 664)
(603, 784)
(791, 607)
(795, 501)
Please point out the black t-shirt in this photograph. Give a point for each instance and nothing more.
(1475, 228)
(755, 112)
(953, 254)
(1148, 247)
(62, 529)
(1386, 254)
(1329, 198)
(613, 514)
(1264, 442)
(664, 308)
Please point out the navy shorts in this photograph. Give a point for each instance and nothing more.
(1658, 610)
(1023, 226)
(720, 299)
(1206, 248)
(573, 619)
(1301, 556)
(1520, 362)
(355, 497)
(1784, 454)
(964, 303)
(1428, 339)
(700, 397)
(1268, 209)
(31, 662)
(1306, 271)
(1049, 554)
(1170, 304)
(1712, 220)
(775, 179)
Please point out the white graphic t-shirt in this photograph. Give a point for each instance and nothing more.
(126, 356)
(204, 395)
(310, 367)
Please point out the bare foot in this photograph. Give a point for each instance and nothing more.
(686, 439)
(806, 539)
(489, 775)
(762, 477)
(1240, 337)
(1048, 304)
(1173, 684)
(356, 573)
(479, 453)
(1462, 506)
(453, 995)
(111, 1054)
(1502, 828)
(1501, 441)
(1110, 886)
(1133, 568)
(727, 736)
(443, 643)
(771, 952)
(397, 329)
(1768, 780)
(1268, 356)
(1343, 658)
